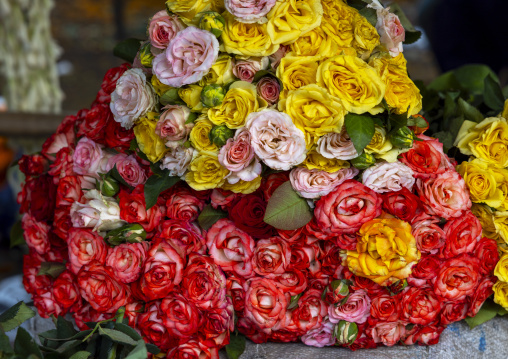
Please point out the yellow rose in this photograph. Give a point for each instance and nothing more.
(149, 143)
(487, 140)
(297, 71)
(159, 87)
(218, 6)
(243, 186)
(386, 251)
(199, 135)
(191, 95)
(205, 172)
(314, 160)
(220, 73)
(482, 182)
(501, 224)
(366, 36)
(486, 218)
(338, 22)
(315, 43)
(290, 19)
(313, 111)
(240, 100)
(502, 185)
(501, 294)
(353, 81)
(379, 144)
(188, 9)
(501, 270)
(246, 39)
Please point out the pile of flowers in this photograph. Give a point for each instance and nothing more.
(260, 161)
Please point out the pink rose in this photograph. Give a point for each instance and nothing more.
(85, 246)
(172, 127)
(163, 28)
(238, 156)
(249, 11)
(445, 195)
(321, 336)
(388, 333)
(230, 247)
(268, 88)
(129, 168)
(87, 157)
(337, 145)
(184, 206)
(246, 69)
(126, 260)
(390, 30)
(277, 56)
(356, 309)
(36, 234)
(84, 216)
(189, 57)
(316, 183)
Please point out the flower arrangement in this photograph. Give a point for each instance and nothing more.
(262, 161)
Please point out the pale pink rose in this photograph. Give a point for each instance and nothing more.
(276, 140)
(445, 195)
(85, 246)
(388, 333)
(249, 11)
(127, 259)
(172, 127)
(390, 30)
(87, 157)
(388, 177)
(356, 309)
(268, 88)
(316, 183)
(177, 160)
(337, 145)
(84, 216)
(133, 97)
(246, 69)
(36, 234)
(320, 337)
(238, 156)
(277, 56)
(98, 212)
(128, 167)
(163, 28)
(189, 57)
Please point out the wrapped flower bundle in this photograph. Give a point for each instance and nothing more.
(262, 161)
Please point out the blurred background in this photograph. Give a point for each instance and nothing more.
(54, 54)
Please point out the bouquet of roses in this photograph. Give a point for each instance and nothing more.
(259, 161)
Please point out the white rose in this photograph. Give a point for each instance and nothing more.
(388, 177)
(337, 145)
(99, 212)
(177, 160)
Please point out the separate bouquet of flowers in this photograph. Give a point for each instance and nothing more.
(260, 164)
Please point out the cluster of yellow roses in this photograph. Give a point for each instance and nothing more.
(486, 175)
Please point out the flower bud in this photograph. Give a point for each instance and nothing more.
(402, 137)
(130, 233)
(336, 291)
(418, 124)
(397, 287)
(212, 95)
(109, 187)
(213, 22)
(220, 134)
(345, 332)
(365, 160)
(145, 54)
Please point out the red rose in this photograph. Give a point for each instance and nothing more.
(453, 312)
(38, 197)
(426, 158)
(293, 236)
(204, 283)
(32, 281)
(195, 348)
(330, 261)
(152, 327)
(46, 304)
(36, 234)
(385, 308)
(222, 198)
(132, 312)
(425, 271)
(185, 235)
(69, 191)
(127, 259)
(67, 127)
(180, 316)
(98, 286)
(362, 342)
(313, 229)
(310, 311)
(112, 76)
(271, 256)
(235, 290)
(402, 204)
(486, 250)
(62, 222)
(133, 209)
(319, 283)
(423, 335)
(87, 314)
(218, 323)
(462, 234)
(368, 285)
(420, 306)
(283, 336)
(249, 329)
(248, 213)
(428, 235)
(303, 255)
(163, 270)
(85, 246)
(184, 206)
(55, 143)
(94, 123)
(272, 182)
(230, 247)
(346, 208)
(118, 137)
(33, 165)
(480, 295)
(457, 278)
(63, 165)
(347, 241)
(293, 280)
(388, 333)
(66, 291)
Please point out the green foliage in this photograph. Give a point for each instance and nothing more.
(171, 97)
(236, 346)
(15, 316)
(360, 129)
(488, 311)
(127, 49)
(53, 269)
(209, 216)
(16, 235)
(156, 184)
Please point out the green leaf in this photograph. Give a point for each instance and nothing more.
(152, 349)
(370, 14)
(455, 124)
(139, 351)
(488, 311)
(127, 49)
(450, 105)
(16, 235)
(117, 336)
(412, 37)
(209, 216)
(505, 92)
(493, 95)
(397, 121)
(469, 112)
(294, 301)
(445, 138)
(15, 316)
(157, 184)
(171, 97)
(445, 82)
(286, 209)
(24, 344)
(117, 176)
(52, 269)
(192, 118)
(5, 345)
(360, 129)
(68, 345)
(127, 330)
(64, 328)
(358, 4)
(236, 346)
(472, 77)
(81, 355)
(417, 122)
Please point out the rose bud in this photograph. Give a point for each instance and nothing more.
(213, 22)
(268, 88)
(402, 137)
(109, 187)
(397, 287)
(131, 233)
(145, 55)
(219, 135)
(336, 291)
(418, 124)
(212, 95)
(365, 160)
(345, 332)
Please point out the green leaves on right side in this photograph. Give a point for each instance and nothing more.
(360, 129)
